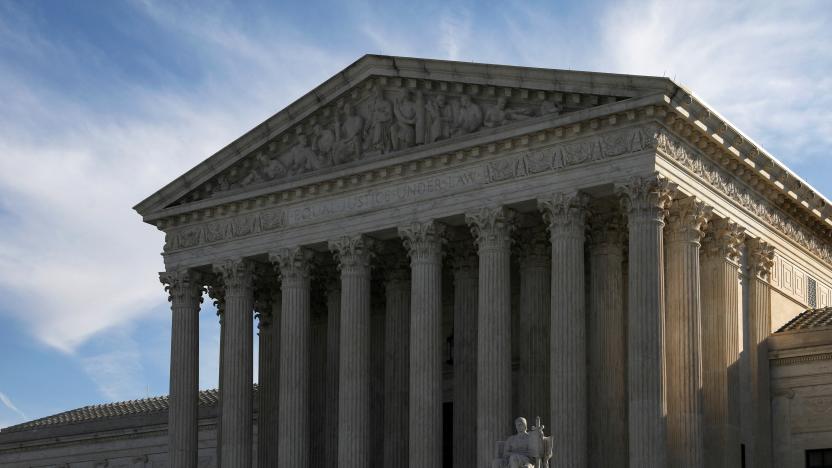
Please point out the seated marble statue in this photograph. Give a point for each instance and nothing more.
(524, 449)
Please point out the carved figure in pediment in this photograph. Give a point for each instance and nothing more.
(409, 127)
(550, 108)
(439, 119)
(499, 114)
(301, 157)
(265, 168)
(468, 116)
(324, 144)
(348, 140)
(377, 133)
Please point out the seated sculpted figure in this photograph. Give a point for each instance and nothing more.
(524, 449)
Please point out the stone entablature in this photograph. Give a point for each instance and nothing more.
(515, 165)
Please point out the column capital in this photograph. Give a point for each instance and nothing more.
(266, 293)
(646, 196)
(235, 273)
(395, 264)
(723, 239)
(491, 227)
(565, 213)
(533, 246)
(760, 258)
(687, 219)
(463, 256)
(607, 231)
(423, 240)
(182, 284)
(294, 263)
(216, 291)
(353, 252)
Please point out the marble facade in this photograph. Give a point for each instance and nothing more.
(398, 155)
(599, 247)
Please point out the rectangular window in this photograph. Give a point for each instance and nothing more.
(820, 458)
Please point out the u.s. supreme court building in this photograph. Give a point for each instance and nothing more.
(431, 248)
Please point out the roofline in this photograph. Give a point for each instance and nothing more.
(365, 66)
(680, 97)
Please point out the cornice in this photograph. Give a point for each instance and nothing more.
(742, 187)
(720, 140)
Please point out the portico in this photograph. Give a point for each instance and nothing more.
(578, 235)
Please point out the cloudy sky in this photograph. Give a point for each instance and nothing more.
(102, 103)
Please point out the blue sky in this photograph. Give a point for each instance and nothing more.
(103, 102)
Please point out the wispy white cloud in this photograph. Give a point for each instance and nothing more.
(765, 66)
(7, 402)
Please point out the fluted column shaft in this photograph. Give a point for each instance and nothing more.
(216, 291)
(760, 262)
(268, 306)
(720, 343)
(492, 228)
(644, 199)
(534, 259)
(684, 334)
(333, 338)
(565, 216)
(295, 330)
(397, 362)
(237, 363)
(353, 255)
(607, 344)
(465, 354)
(185, 296)
(423, 242)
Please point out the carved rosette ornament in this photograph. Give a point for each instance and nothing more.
(565, 214)
(423, 241)
(492, 227)
(687, 219)
(723, 239)
(760, 259)
(646, 197)
(353, 254)
(183, 286)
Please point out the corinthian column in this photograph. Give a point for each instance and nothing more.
(185, 295)
(423, 242)
(684, 334)
(295, 329)
(607, 343)
(565, 215)
(760, 262)
(237, 355)
(397, 358)
(333, 338)
(353, 256)
(720, 343)
(492, 229)
(267, 306)
(464, 263)
(216, 291)
(534, 258)
(645, 199)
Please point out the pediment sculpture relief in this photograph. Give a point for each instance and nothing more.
(385, 116)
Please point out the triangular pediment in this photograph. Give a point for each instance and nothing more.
(380, 106)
